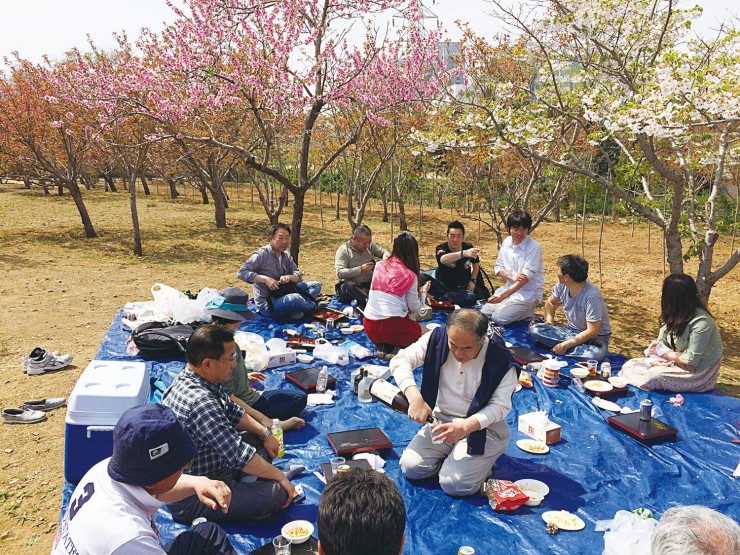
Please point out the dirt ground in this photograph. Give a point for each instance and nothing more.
(61, 291)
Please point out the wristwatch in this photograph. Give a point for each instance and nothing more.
(264, 434)
(462, 253)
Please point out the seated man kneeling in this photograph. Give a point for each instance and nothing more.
(587, 333)
(469, 381)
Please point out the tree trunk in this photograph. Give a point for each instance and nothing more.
(384, 201)
(144, 185)
(204, 195)
(138, 251)
(295, 236)
(110, 184)
(219, 206)
(557, 212)
(674, 250)
(336, 215)
(74, 191)
(60, 189)
(173, 188)
(26, 182)
(402, 224)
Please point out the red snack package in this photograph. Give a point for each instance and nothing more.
(504, 495)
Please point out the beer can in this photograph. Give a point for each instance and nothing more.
(466, 550)
(199, 520)
(646, 410)
(342, 468)
(330, 323)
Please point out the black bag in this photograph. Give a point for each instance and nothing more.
(348, 291)
(162, 341)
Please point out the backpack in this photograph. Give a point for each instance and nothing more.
(162, 341)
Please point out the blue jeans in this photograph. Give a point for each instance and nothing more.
(546, 334)
(280, 403)
(293, 302)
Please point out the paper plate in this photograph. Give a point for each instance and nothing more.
(518, 387)
(535, 486)
(606, 405)
(598, 386)
(532, 446)
(579, 373)
(564, 520)
(616, 381)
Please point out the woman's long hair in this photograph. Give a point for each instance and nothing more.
(406, 249)
(678, 302)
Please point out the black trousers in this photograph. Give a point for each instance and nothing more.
(205, 538)
(348, 291)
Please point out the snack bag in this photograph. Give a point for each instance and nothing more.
(504, 495)
(525, 378)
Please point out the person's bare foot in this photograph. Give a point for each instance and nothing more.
(294, 423)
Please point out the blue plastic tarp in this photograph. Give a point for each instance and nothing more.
(594, 470)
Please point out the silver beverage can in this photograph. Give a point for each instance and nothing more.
(646, 410)
(466, 550)
(330, 323)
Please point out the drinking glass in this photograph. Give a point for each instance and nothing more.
(282, 545)
(336, 462)
(435, 422)
(592, 365)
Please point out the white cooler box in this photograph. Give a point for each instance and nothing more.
(101, 395)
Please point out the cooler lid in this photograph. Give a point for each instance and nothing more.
(107, 388)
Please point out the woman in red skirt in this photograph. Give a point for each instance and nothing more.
(394, 297)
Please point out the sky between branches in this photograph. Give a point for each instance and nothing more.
(39, 27)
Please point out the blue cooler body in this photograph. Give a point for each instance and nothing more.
(101, 395)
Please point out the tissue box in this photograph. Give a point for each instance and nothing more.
(280, 359)
(548, 434)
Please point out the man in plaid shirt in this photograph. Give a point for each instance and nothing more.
(232, 446)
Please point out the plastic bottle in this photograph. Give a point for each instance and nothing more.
(578, 384)
(277, 431)
(353, 304)
(363, 389)
(322, 380)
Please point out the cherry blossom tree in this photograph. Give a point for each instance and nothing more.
(620, 92)
(44, 130)
(282, 66)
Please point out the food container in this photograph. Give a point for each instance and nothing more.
(104, 391)
(540, 429)
(298, 531)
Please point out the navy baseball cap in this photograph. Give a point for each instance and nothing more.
(149, 445)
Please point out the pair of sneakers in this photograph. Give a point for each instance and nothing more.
(387, 352)
(32, 411)
(42, 360)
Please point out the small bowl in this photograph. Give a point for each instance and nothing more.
(616, 381)
(534, 500)
(304, 358)
(357, 328)
(292, 528)
(348, 331)
(579, 373)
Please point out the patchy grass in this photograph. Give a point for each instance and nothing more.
(61, 291)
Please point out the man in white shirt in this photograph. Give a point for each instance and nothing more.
(469, 381)
(519, 263)
(113, 510)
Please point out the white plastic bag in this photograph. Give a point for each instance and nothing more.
(163, 297)
(330, 353)
(255, 350)
(627, 534)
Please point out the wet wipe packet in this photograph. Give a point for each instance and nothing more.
(503, 495)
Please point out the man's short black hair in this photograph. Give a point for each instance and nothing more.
(519, 218)
(575, 266)
(361, 513)
(456, 225)
(274, 227)
(207, 342)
